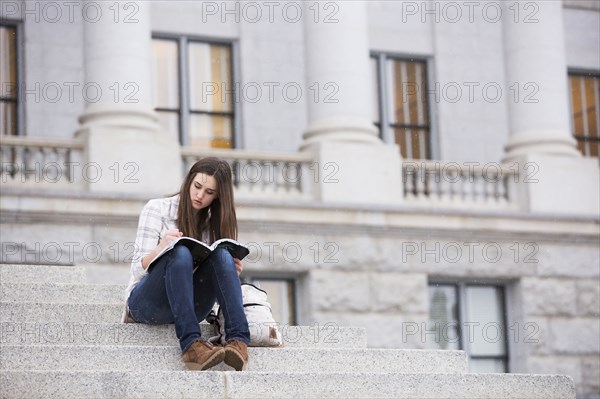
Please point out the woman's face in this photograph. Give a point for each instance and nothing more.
(203, 191)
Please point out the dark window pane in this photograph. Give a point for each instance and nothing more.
(8, 80)
(443, 317)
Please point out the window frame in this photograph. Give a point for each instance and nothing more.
(20, 67)
(461, 286)
(383, 82)
(185, 110)
(583, 73)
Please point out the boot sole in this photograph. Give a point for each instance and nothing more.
(234, 360)
(210, 362)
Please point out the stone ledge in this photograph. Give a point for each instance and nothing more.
(19, 206)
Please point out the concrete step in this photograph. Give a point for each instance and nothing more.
(149, 358)
(60, 312)
(62, 293)
(86, 333)
(41, 273)
(232, 385)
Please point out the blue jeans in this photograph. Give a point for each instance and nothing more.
(174, 293)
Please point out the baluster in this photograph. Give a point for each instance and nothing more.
(235, 171)
(420, 184)
(454, 183)
(263, 177)
(65, 157)
(466, 189)
(244, 184)
(269, 177)
(279, 179)
(435, 183)
(290, 175)
(30, 156)
(501, 193)
(408, 182)
(305, 179)
(51, 167)
(5, 173)
(19, 162)
(429, 186)
(478, 189)
(445, 187)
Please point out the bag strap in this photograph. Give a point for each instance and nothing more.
(257, 304)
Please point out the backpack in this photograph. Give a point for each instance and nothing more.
(263, 328)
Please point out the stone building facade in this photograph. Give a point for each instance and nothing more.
(427, 170)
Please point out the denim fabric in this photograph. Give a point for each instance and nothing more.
(174, 293)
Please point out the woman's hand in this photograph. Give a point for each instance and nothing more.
(238, 265)
(166, 239)
(169, 236)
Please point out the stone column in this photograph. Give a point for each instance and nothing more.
(540, 135)
(535, 56)
(120, 128)
(341, 132)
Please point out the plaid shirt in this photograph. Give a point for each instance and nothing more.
(158, 216)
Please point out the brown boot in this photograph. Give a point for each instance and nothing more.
(203, 355)
(236, 354)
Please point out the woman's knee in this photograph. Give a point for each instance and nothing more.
(181, 256)
(223, 259)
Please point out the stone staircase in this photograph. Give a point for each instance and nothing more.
(61, 338)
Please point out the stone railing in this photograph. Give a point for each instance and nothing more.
(262, 175)
(29, 162)
(455, 185)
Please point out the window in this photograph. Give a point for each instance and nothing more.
(470, 317)
(194, 92)
(282, 297)
(401, 111)
(8, 81)
(585, 111)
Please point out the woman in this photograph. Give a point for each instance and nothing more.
(178, 291)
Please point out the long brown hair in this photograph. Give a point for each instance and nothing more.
(219, 217)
